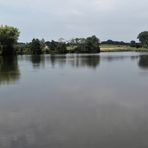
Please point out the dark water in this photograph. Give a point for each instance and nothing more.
(74, 101)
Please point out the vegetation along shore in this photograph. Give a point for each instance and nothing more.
(9, 44)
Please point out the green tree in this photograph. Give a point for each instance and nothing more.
(61, 48)
(57, 47)
(143, 38)
(133, 44)
(36, 47)
(8, 39)
(42, 42)
(89, 45)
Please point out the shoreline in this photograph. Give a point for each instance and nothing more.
(121, 48)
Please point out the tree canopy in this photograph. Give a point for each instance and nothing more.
(143, 38)
(8, 39)
(87, 45)
(35, 46)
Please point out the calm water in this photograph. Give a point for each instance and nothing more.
(74, 101)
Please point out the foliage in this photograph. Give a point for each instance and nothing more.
(134, 44)
(88, 45)
(8, 39)
(9, 36)
(56, 47)
(84, 45)
(35, 46)
(111, 42)
(143, 38)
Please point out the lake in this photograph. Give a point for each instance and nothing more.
(74, 101)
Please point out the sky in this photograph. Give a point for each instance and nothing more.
(119, 20)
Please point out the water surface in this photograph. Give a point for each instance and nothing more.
(74, 101)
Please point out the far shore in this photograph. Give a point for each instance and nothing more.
(120, 48)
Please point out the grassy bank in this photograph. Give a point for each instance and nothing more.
(120, 48)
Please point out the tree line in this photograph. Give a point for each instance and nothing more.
(120, 43)
(9, 44)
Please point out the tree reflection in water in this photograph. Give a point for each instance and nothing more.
(37, 60)
(9, 71)
(143, 61)
(90, 61)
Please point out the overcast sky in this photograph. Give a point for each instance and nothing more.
(52, 19)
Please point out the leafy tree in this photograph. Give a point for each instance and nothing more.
(8, 39)
(53, 45)
(1, 48)
(35, 46)
(89, 45)
(143, 38)
(61, 48)
(57, 47)
(42, 42)
(111, 42)
(133, 44)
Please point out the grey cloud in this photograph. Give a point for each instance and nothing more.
(52, 19)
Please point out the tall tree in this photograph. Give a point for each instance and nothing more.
(89, 45)
(36, 47)
(8, 39)
(143, 38)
